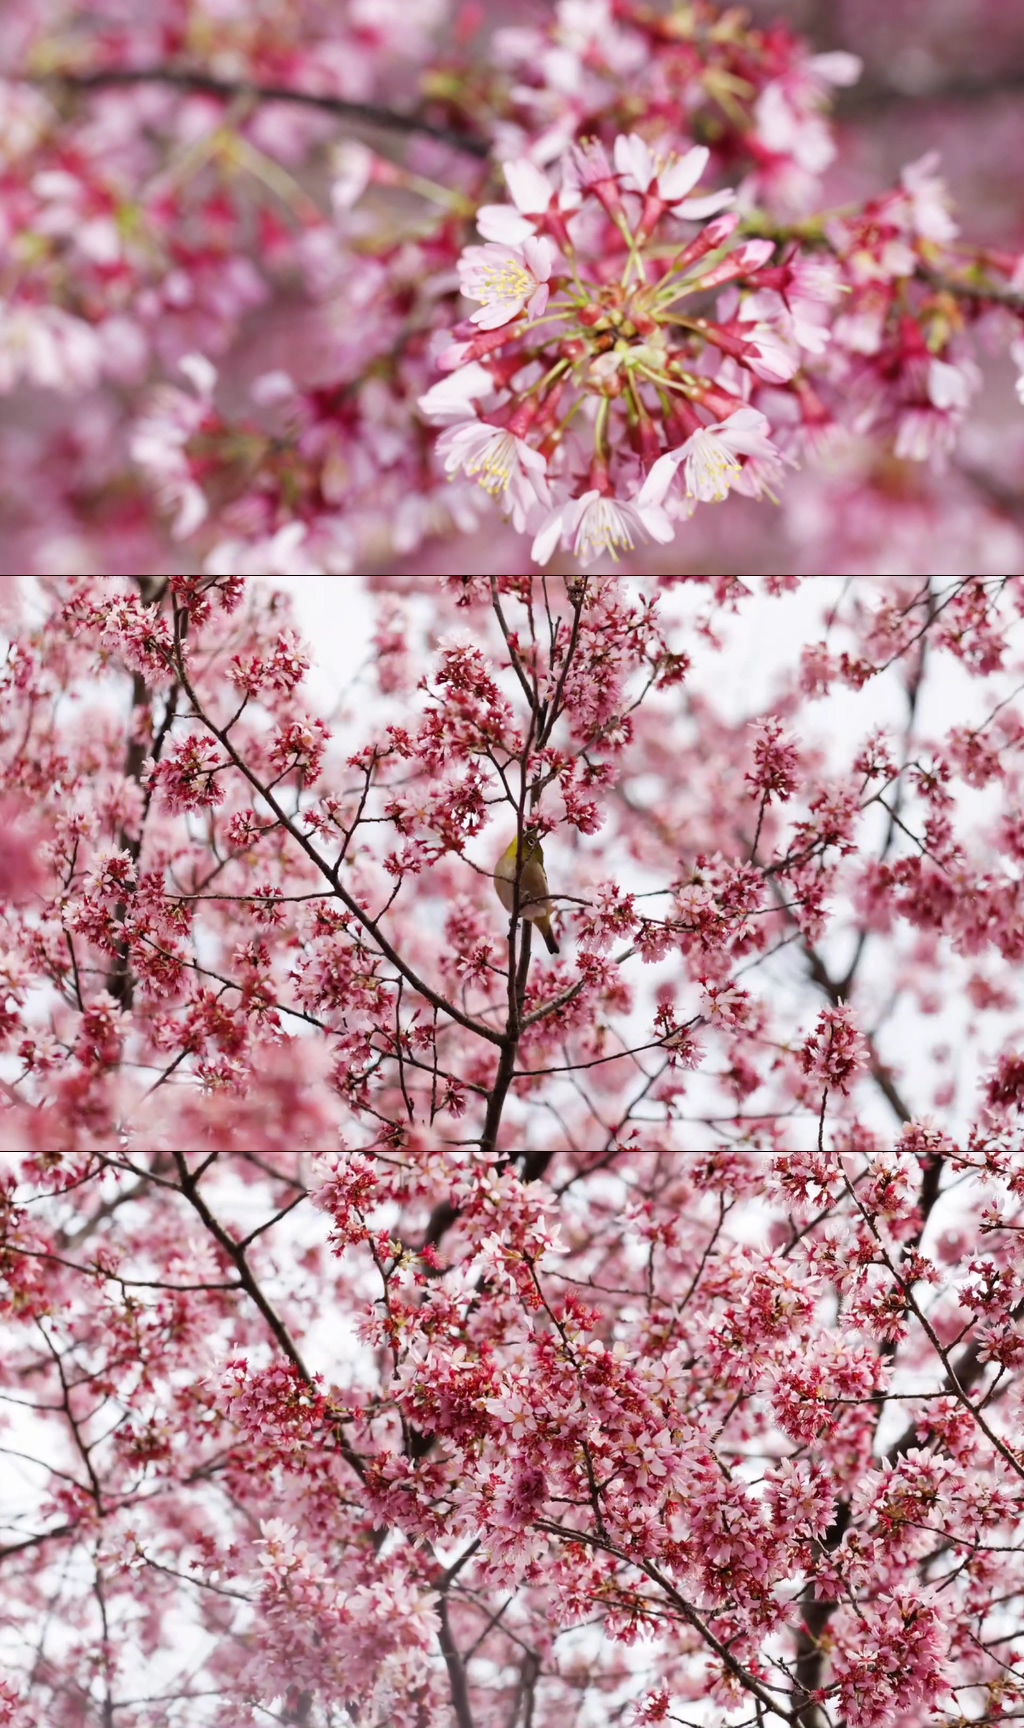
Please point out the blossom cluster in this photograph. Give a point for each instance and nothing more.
(631, 359)
(667, 316)
(588, 357)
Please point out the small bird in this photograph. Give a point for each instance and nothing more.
(534, 903)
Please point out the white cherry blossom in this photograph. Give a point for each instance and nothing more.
(596, 523)
(507, 279)
(709, 458)
(505, 466)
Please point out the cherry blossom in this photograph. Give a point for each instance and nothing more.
(631, 201)
(402, 1325)
(502, 463)
(507, 279)
(594, 523)
(709, 457)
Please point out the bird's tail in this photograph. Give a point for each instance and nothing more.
(544, 926)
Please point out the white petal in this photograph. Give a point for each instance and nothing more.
(539, 255)
(746, 433)
(547, 536)
(271, 387)
(453, 395)
(499, 222)
(1017, 356)
(634, 161)
(695, 209)
(659, 525)
(660, 478)
(191, 512)
(681, 177)
(947, 385)
(530, 189)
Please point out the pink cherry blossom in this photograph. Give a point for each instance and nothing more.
(276, 196)
(675, 176)
(158, 445)
(508, 280)
(449, 399)
(709, 458)
(532, 195)
(505, 466)
(47, 347)
(928, 200)
(407, 1323)
(594, 523)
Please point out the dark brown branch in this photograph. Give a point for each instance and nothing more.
(72, 1239)
(291, 826)
(204, 83)
(816, 1612)
(235, 1252)
(121, 978)
(507, 1060)
(456, 1668)
(748, 1680)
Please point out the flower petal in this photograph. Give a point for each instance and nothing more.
(682, 173)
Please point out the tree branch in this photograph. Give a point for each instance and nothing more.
(290, 825)
(204, 83)
(456, 1668)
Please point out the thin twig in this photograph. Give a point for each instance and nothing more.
(204, 83)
